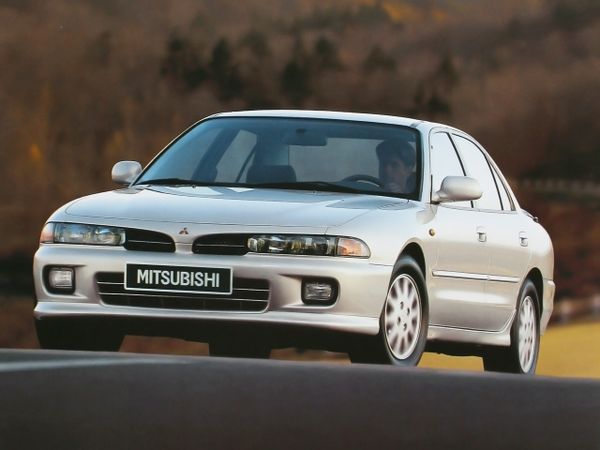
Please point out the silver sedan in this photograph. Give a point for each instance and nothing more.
(376, 235)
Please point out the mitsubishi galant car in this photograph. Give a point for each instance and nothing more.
(375, 235)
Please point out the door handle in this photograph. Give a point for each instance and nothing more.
(523, 239)
(481, 234)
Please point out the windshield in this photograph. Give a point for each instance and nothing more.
(291, 153)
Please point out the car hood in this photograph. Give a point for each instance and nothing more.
(231, 206)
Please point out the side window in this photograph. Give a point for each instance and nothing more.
(444, 163)
(478, 168)
(236, 157)
(506, 203)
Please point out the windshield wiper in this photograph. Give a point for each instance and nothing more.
(172, 181)
(309, 186)
(300, 185)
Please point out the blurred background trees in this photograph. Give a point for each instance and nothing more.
(85, 84)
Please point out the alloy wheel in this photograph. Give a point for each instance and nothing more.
(527, 334)
(402, 317)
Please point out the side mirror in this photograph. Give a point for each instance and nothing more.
(457, 189)
(124, 172)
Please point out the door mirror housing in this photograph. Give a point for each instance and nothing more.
(124, 172)
(457, 189)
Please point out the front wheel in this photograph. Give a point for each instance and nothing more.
(522, 355)
(403, 322)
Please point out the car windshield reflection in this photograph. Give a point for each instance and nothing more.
(293, 153)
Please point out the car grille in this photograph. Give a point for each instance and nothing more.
(221, 244)
(248, 295)
(148, 241)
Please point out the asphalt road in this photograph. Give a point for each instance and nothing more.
(78, 400)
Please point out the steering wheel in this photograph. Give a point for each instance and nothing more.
(366, 178)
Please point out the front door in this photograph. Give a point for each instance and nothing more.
(459, 274)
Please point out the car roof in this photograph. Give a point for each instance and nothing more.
(336, 115)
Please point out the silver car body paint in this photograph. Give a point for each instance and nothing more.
(472, 285)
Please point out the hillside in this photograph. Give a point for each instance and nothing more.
(87, 83)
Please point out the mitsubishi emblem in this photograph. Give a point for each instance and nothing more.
(184, 231)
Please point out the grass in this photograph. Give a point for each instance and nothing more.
(570, 350)
(566, 351)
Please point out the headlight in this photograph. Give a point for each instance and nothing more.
(76, 233)
(309, 245)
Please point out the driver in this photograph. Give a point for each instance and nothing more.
(397, 160)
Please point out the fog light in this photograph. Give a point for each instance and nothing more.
(61, 279)
(319, 291)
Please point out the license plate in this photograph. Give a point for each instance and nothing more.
(182, 279)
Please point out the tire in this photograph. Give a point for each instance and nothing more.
(522, 355)
(64, 335)
(396, 344)
(227, 347)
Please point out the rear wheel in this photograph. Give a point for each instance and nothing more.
(403, 322)
(63, 335)
(521, 356)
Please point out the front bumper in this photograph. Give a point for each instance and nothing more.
(362, 288)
